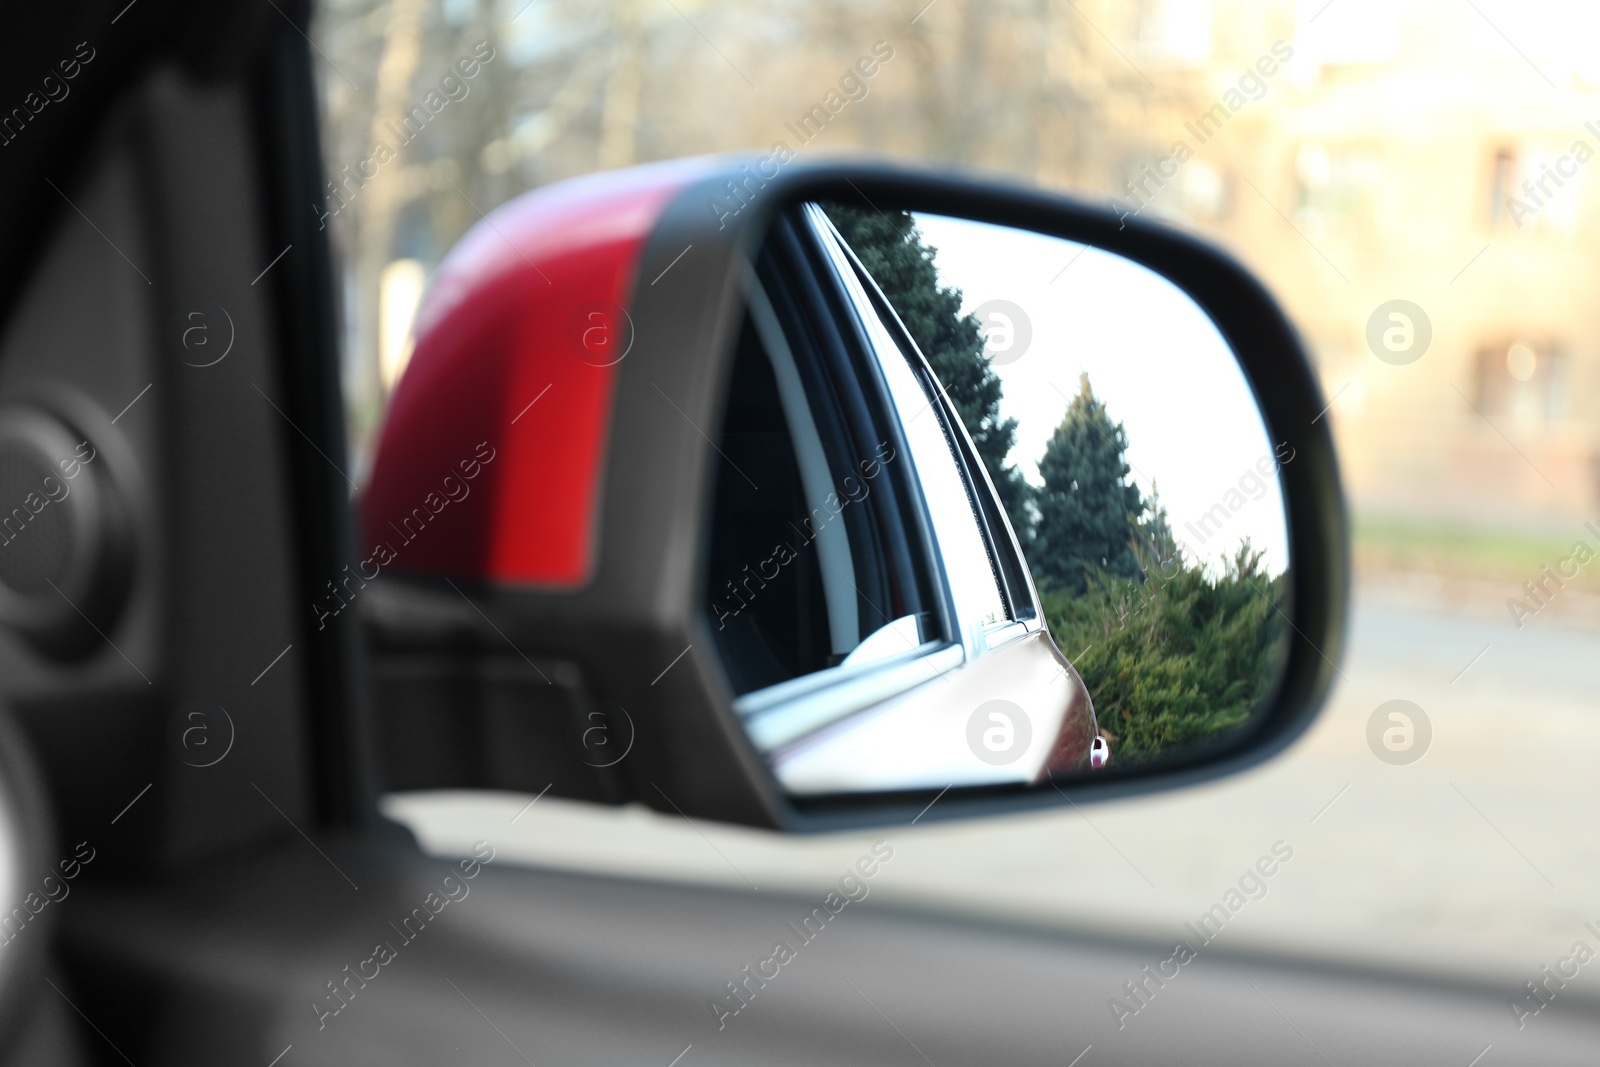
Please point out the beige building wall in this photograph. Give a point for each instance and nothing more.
(1377, 165)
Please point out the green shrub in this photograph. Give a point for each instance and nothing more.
(1177, 657)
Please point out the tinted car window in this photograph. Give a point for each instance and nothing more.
(801, 576)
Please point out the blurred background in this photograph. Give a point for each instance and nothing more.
(1353, 153)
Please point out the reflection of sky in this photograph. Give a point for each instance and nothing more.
(1153, 358)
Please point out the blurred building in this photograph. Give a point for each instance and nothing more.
(1439, 153)
(1354, 152)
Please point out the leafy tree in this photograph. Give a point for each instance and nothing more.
(1176, 658)
(1088, 512)
(891, 249)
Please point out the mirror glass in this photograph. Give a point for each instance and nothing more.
(994, 507)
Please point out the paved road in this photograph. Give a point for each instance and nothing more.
(1480, 857)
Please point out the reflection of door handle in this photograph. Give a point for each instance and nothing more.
(1099, 753)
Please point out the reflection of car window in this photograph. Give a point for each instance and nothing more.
(969, 559)
(804, 571)
(1010, 581)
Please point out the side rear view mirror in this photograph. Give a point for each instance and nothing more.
(810, 498)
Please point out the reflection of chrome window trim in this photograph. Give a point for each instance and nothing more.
(1005, 632)
(785, 712)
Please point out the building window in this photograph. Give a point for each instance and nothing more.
(1532, 187)
(1502, 183)
(1521, 384)
(1336, 189)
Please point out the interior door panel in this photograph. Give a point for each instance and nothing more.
(545, 967)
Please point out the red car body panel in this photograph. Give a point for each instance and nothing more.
(489, 463)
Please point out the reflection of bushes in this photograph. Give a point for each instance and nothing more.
(1177, 657)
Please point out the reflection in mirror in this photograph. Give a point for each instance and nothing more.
(996, 508)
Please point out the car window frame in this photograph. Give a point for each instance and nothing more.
(785, 712)
(1007, 564)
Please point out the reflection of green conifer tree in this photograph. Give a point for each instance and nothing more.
(1155, 532)
(1088, 512)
